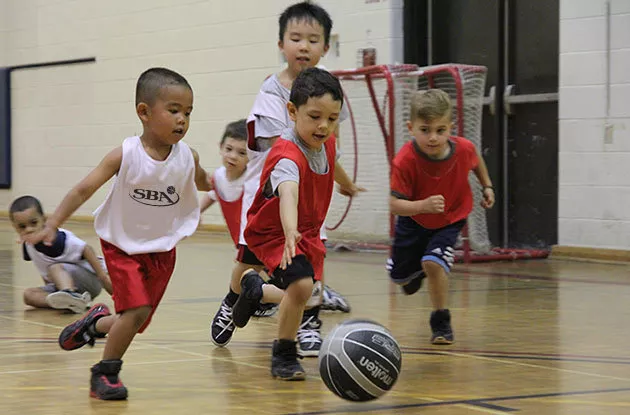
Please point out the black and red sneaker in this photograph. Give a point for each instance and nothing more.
(78, 334)
(105, 383)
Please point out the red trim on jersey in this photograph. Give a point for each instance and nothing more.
(231, 212)
(416, 177)
(264, 233)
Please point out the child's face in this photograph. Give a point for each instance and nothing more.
(316, 120)
(234, 155)
(431, 136)
(27, 221)
(303, 44)
(169, 117)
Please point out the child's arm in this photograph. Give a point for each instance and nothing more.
(289, 192)
(91, 258)
(481, 171)
(205, 203)
(202, 177)
(403, 207)
(106, 169)
(346, 186)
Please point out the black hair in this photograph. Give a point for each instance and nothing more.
(309, 12)
(315, 82)
(23, 203)
(236, 130)
(153, 80)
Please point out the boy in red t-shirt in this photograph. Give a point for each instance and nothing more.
(288, 211)
(432, 198)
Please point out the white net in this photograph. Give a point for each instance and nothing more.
(369, 137)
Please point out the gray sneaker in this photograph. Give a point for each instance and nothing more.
(69, 300)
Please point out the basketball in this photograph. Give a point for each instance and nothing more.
(359, 360)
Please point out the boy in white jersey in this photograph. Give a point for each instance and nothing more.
(151, 206)
(72, 272)
(303, 39)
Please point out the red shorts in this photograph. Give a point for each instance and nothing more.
(138, 280)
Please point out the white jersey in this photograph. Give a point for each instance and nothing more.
(66, 249)
(152, 204)
(230, 191)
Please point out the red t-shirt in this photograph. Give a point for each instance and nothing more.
(416, 177)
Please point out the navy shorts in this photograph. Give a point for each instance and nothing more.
(414, 244)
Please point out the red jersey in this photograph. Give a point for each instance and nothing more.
(415, 177)
(224, 192)
(264, 233)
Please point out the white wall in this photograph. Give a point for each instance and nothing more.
(3, 34)
(65, 119)
(594, 177)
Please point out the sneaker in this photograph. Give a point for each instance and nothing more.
(308, 337)
(414, 284)
(266, 310)
(284, 361)
(77, 334)
(441, 327)
(69, 300)
(222, 326)
(249, 300)
(105, 383)
(332, 300)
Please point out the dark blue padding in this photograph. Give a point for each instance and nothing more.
(5, 128)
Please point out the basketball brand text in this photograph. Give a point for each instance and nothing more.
(376, 371)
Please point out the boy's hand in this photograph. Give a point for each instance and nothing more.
(351, 190)
(488, 197)
(46, 235)
(433, 204)
(291, 240)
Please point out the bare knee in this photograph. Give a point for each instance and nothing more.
(432, 268)
(29, 296)
(138, 316)
(301, 290)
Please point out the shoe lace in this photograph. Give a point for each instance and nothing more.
(309, 331)
(225, 317)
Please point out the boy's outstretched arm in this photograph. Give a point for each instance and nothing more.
(481, 171)
(346, 186)
(90, 257)
(289, 192)
(106, 169)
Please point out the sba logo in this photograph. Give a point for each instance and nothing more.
(154, 197)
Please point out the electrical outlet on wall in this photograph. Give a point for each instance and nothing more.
(609, 130)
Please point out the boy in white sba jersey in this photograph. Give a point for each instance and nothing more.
(151, 206)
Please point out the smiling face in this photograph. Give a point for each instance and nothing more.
(303, 44)
(167, 120)
(316, 120)
(431, 136)
(234, 156)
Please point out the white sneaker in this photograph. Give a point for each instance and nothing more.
(69, 300)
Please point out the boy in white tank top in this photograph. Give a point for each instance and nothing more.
(151, 206)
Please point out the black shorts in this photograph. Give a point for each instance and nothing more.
(414, 244)
(300, 268)
(245, 256)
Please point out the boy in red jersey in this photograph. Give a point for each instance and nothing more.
(432, 198)
(288, 211)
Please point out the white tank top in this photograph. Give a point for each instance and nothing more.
(152, 204)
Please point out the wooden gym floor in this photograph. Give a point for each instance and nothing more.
(538, 337)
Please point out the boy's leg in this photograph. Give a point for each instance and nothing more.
(70, 296)
(405, 262)
(222, 326)
(298, 277)
(436, 263)
(36, 296)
